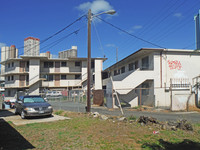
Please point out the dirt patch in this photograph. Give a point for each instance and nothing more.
(193, 108)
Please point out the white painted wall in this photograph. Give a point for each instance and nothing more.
(174, 65)
(34, 76)
(98, 76)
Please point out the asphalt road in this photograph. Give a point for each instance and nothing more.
(193, 117)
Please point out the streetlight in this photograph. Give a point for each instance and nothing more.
(90, 16)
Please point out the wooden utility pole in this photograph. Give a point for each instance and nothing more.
(89, 62)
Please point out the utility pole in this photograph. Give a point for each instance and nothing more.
(89, 62)
(111, 12)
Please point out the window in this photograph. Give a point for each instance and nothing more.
(122, 69)
(48, 64)
(12, 78)
(136, 65)
(118, 72)
(63, 64)
(8, 78)
(115, 72)
(77, 76)
(9, 93)
(8, 65)
(77, 64)
(130, 67)
(50, 77)
(12, 64)
(27, 64)
(92, 64)
(145, 63)
(63, 77)
(145, 90)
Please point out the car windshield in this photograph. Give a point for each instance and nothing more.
(34, 100)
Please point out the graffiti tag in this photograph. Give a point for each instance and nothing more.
(174, 64)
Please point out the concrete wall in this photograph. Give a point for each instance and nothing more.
(98, 76)
(34, 76)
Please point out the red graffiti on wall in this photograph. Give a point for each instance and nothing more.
(174, 64)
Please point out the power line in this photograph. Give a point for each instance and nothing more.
(59, 40)
(131, 34)
(102, 50)
(56, 33)
(49, 36)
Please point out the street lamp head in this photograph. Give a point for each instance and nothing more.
(111, 12)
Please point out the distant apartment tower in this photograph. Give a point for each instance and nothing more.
(47, 54)
(197, 29)
(7, 53)
(71, 53)
(31, 46)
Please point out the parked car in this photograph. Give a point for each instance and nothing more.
(32, 105)
(53, 94)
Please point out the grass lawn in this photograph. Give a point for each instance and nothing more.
(85, 132)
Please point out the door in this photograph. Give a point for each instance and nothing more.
(22, 66)
(57, 66)
(57, 80)
(22, 80)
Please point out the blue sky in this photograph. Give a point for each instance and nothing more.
(167, 23)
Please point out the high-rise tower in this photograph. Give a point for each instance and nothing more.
(31, 46)
(197, 29)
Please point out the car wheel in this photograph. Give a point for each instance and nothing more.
(23, 115)
(15, 111)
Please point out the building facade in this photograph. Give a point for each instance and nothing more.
(31, 46)
(68, 53)
(7, 53)
(153, 77)
(35, 74)
(197, 30)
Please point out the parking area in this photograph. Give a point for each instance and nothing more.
(8, 115)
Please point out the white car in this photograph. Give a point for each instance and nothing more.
(54, 94)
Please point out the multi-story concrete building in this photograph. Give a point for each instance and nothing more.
(153, 77)
(7, 53)
(34, 74)
(197, 29)
(68, 53)
(31, 46)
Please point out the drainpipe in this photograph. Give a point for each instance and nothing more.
(161, 69)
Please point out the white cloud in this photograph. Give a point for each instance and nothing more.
(2, 44)
(96, 6)
(136, 27)
(178, 15)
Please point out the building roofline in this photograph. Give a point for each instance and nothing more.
(151, 49)
(31, 38)
(49, 59)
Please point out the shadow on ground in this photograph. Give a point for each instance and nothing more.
(10, 138)
(5, 113)
(164, 145)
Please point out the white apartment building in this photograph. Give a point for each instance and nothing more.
(6, 53)
(31, 46)
(154, 77)
(34, 74)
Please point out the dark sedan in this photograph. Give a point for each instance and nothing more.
(32, 105)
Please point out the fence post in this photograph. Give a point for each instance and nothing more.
(140, 99)
(1, 102)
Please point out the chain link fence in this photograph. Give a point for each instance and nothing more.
(76, 100)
